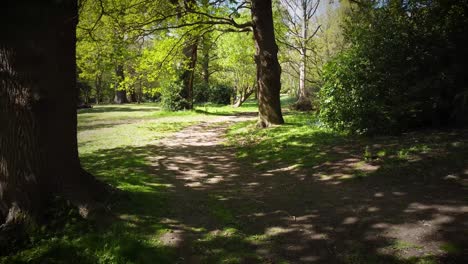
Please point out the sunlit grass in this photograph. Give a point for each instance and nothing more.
(300, 142)
(116, 141)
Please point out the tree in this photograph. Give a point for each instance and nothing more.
(268, 67)
(38, 144)
(219, 15)
(298, 16)
(236, 65)
(402, 69)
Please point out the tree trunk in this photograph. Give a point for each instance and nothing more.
(38, 144)
(303, 102)
(268, 68)
(98, 84)
(205, 61)
(120, 94)
(244, 94)
(190, 53)
(133, 96)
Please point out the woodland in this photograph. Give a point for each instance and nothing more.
(234, 131)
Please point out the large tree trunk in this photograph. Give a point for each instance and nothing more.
(268, 68)
(38, 93)
(120, 94)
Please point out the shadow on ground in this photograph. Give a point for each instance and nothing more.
(216, 208)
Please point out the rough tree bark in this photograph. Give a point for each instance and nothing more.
(268, 67)
(38, 93)
(120, 94)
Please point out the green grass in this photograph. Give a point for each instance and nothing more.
(300, 142)
(114, 144)
(116, 141)
(303, 143)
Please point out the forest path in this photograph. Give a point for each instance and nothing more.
(222, 207)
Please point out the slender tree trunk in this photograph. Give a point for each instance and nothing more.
(38, 93)
(133, 95)
(205, 62)
(244, 94)
(98, 84)
(303, 102)
(268, 67)
(190, 53)
(140, 89)
(120, 94)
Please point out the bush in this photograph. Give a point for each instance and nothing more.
(201, 93)
(401, 71)
(217, 94)
(171, 99)
(220, 94)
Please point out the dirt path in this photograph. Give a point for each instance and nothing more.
(289, 215)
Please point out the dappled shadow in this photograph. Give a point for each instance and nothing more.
(120, 108)
(219, 208)
(226, 112)
(103, 124)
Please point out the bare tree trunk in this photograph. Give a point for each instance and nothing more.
(268, 67)
(133, 95)
(303, 102)
(98, 84)
(120, 94)
(244, 95)
(190, 52)
(205, 62)
(38, 93)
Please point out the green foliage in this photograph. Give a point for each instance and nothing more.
(348, 100)
(171, 98)
(216, 94)
(220, 94)
(298, 143)
(401, 70)
(235, 66)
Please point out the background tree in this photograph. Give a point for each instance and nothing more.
(236, 65)
(297, 16)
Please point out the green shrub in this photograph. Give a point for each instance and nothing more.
(220, 94)
(201, 93)
(402, 69)
(171, 99)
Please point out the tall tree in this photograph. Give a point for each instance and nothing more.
(38, 144)
(298, 16)
(268, 67)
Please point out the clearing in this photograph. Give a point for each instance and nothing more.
(205, 186)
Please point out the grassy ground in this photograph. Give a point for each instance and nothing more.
(427, 169)
(107, 136)
(292, 191)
